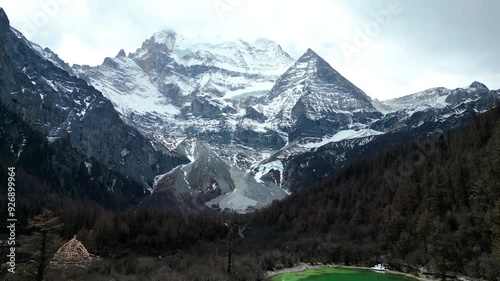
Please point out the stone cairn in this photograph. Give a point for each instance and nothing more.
(73, 253)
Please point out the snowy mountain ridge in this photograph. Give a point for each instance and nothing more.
(312, 90)
(253, 107)
(224, 125)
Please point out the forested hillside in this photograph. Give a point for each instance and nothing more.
(431, 203)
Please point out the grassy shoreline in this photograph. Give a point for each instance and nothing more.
(303, 267)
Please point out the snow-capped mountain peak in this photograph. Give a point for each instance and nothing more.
(312, 92)
(165, 38)
(312, 70)
(171, 71)
(439, 97)
(479, 86)
(121, 53)
(434, 97)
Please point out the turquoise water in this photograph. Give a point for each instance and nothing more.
(339, 274)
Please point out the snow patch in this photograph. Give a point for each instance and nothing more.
(343, 135)
(125, 152)
(88, 165)
(52, 139)
(185, 176)
(255, 89)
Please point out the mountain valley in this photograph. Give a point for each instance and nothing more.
(225, 125)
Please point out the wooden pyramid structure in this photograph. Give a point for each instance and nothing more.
(73, 253)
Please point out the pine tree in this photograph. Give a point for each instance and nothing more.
(45, 227)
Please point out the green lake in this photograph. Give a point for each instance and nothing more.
(339, 274)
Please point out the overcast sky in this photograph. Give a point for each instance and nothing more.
(388, 48)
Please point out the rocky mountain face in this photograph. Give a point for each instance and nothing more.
(172, 86)
(46, 167)
(244, 100)
(409, 117)
(216, 125)
(37, 88)
(211, 180)
(436, 106)
(311, 100)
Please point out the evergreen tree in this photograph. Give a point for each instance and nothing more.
(46, 227)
